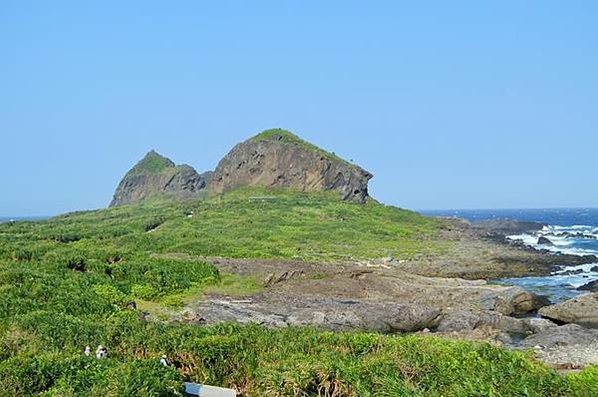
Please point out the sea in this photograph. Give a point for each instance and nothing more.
(571, 230)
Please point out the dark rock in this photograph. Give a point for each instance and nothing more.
(571, 272)
(506, 227)
(594, 269)
(544, 241)
(155, 175)
(277, 159)
(578, 235)
(591, 286)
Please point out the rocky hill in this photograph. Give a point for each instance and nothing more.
(156, 174)
(277, 158)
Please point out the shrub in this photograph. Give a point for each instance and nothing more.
(110, 293)
(143, 291)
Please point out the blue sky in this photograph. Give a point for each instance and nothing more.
(460, 104)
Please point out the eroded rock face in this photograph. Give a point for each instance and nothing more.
(156, 174)
(582, 310)
(278, 159)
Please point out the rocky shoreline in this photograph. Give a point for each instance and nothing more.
(448, 295)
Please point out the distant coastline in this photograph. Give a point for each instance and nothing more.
(4, 219)
(552, 216)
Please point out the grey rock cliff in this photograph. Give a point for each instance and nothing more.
(156, 174)
(279, 159)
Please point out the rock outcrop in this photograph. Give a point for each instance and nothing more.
(582, 310)
(568, 346)
(566, 335)
(544, 241)
(507, 227)
(592, 286)
(156, 174)
(278, 159)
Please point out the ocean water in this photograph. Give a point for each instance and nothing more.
(571, 230)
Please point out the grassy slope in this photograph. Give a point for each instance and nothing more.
(65, 284)
(314, 226)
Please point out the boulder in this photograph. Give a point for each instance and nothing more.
(402, 318)
(591, 286)
(511, 300)
(537, 325)
(581, 310)
(155, 175)
(279, 159)
(467, 320)
(544, 241)
(566, 335)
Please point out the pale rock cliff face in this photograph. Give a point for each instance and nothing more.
(155, 175)
(279, 159)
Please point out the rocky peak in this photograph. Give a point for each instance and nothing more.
(278, 158)
(152, 162)
(156, 174)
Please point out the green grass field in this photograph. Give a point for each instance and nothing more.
(65, 283)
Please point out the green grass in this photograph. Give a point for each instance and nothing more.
(289, 137)
(65, 283)
(152, 163)
(230, 285)
(295, 225)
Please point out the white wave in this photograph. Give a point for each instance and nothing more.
(586, 268)
(561, 244)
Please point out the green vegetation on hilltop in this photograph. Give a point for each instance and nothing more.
(289, 137)
(152, 163)
(66, 283)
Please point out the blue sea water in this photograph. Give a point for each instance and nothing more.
(571, 230)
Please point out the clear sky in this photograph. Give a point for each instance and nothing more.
(451, 104)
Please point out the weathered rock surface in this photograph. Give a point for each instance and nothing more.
(156, 174)
(537, 325)
(568, 346)
(383, 299)
(331, 314)
(457, 320)
(566, 335)
(581, 310)
(278, 159)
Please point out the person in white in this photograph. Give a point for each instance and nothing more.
(87, 351)
(164, 360)
(101, 352)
